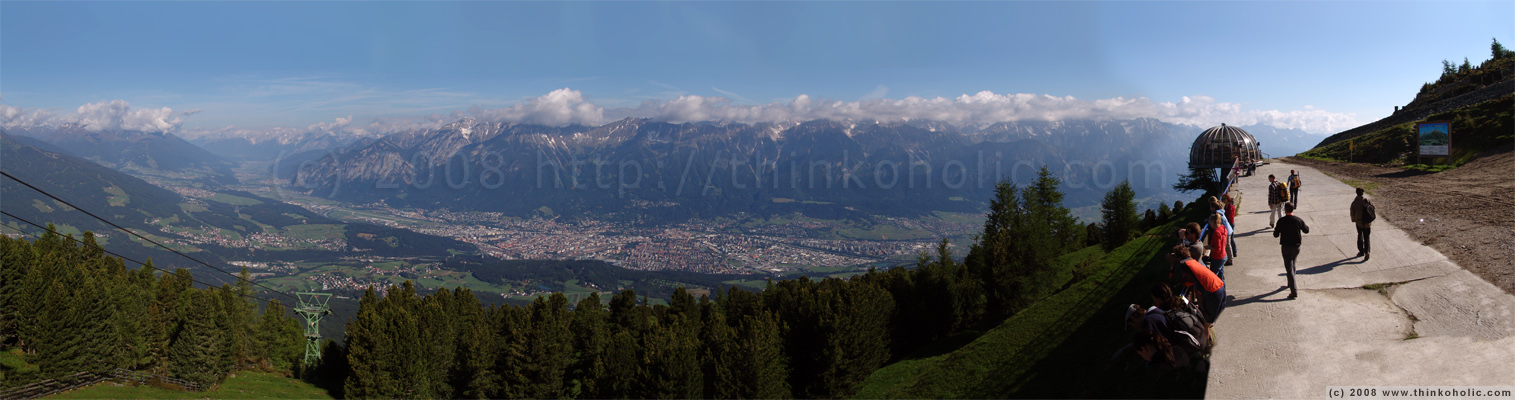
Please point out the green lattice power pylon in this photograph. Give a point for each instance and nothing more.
(312, 306)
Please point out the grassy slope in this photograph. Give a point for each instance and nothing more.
(247, 385)
(1475, 129)
(1059, 347)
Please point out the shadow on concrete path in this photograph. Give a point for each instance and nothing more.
(1327, 267)
(1259, 230)
(1232, 301)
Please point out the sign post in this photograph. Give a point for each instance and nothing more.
(1434, 139)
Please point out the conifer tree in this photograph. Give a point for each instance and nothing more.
(478, 355)
(195, 354)
(717, 347)
(364, 349)
(758, 350)
(438, 335)
(626, 365)
(1119, 215)
(549, 347)
(281, 349)
(591, 336)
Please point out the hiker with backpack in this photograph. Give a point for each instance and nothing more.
(1150, 340)
(1288, 232)
(1363, 214)
(1189, 332)
(1293, 183)
(1193, 275)
(1278, 194)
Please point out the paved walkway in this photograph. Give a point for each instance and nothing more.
(1337, 333)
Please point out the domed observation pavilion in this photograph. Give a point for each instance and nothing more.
(1221, 146)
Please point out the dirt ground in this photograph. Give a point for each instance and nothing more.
(1466, 213)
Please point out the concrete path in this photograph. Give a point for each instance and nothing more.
(1337, 333)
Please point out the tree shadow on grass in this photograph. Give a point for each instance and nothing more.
(1081, 367)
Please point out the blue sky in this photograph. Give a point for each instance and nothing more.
(257, 64)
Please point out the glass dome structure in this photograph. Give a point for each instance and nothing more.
(1218, 147)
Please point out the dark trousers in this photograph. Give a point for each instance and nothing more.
(1294, 196)
(1363, 244)
(1290, 253)
(1212, 303)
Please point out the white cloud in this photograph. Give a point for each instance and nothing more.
(12, 117)
(384, 126)
(561, 107)
(988, 107)
(118, 114)
(105, 115)
(340, 125)
(566, 106)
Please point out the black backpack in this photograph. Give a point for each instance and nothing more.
(1368, 212)
(1190, 324)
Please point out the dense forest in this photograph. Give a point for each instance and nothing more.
(798, 338)
(67, 307)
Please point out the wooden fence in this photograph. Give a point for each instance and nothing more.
(51, 387)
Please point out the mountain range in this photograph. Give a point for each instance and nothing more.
(185, 218)
(646, 169)
(147, 152)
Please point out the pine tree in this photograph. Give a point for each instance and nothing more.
(591, 336)
(1119, 215)
(717, 359)
(672, 351)
(281, 349)
(549, 347)
(479, 355)
(364, 349)
(759, 352)
(992, 256)
(438, 332)
(196, 351)
(1197, 180)
(626, 365)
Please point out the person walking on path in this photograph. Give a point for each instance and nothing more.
(1278, 194)
(1294, 188)
(1288, 230)
(1363, 214)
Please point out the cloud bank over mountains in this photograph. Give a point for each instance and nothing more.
(567, 106)
(102, 116)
